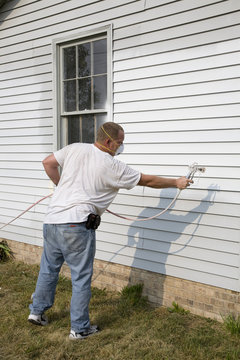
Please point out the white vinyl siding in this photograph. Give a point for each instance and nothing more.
(176, 72)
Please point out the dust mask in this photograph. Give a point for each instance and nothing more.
(120, 149)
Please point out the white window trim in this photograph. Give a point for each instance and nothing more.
(56, 44)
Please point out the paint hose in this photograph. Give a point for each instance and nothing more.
(192, 170)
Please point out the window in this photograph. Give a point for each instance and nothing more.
(84, 90)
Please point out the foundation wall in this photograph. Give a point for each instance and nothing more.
(161, 290)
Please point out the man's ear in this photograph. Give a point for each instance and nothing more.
(107, 141)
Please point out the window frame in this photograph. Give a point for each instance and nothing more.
(57, 44)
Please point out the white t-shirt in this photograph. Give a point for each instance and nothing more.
(89, 182)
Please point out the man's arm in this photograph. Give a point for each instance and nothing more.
(50, 165)
(160, 182)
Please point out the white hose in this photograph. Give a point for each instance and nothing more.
(193, 169)
(151, 217)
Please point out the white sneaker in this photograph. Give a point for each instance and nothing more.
(38, 319)
(82, 335)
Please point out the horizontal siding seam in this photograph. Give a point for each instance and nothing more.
(182, 119)
(26, 76)
(171, 265)
(205, 57)
(177, 97)
(176, 13)
(177, 108)
(27, 102)
(183, 246)
(138, 226)
(25, 67)
(28, 119)
(25, 128)
(179, 37)
(46, 16)
(77, 7)
(176, 73)
(17, 6)
(23, 51)
(179, 25)
(67, 21)
(184, 130)
(168, 242)
(174, 86)
(25, 111)
(101, 21)
(26, 85)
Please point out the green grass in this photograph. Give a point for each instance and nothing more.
(232, 323)
(130, 328)
(5, 252)
(176, 308)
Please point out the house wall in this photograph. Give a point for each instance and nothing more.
(176, 93)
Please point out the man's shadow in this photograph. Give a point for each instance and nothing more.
(157, 241)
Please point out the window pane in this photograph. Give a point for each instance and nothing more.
(100, 56)
(100, 92)
(84, 77)
(84, 60)
(84, 94)
(69, 62)
(100, 119)
(70, 95)
(73, 129)
(88, 129)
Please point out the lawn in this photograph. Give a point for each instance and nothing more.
(130, 328)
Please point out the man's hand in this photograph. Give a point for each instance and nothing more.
(183, 182)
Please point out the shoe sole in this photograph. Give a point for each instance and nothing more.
(76, 339)
(36, 322)
(84, 337)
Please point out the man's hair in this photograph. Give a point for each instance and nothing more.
(110, 128)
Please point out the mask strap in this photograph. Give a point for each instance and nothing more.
(102, 128)
(105, 147)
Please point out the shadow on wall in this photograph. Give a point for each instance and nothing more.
(6, 8)
(155, 240)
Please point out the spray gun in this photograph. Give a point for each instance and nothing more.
(193, 169)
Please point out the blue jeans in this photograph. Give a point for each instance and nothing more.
(74, 244)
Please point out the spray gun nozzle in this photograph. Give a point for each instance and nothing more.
(193, 169)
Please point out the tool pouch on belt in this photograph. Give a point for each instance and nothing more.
(93, 221)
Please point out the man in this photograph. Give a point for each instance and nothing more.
(90, 180)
